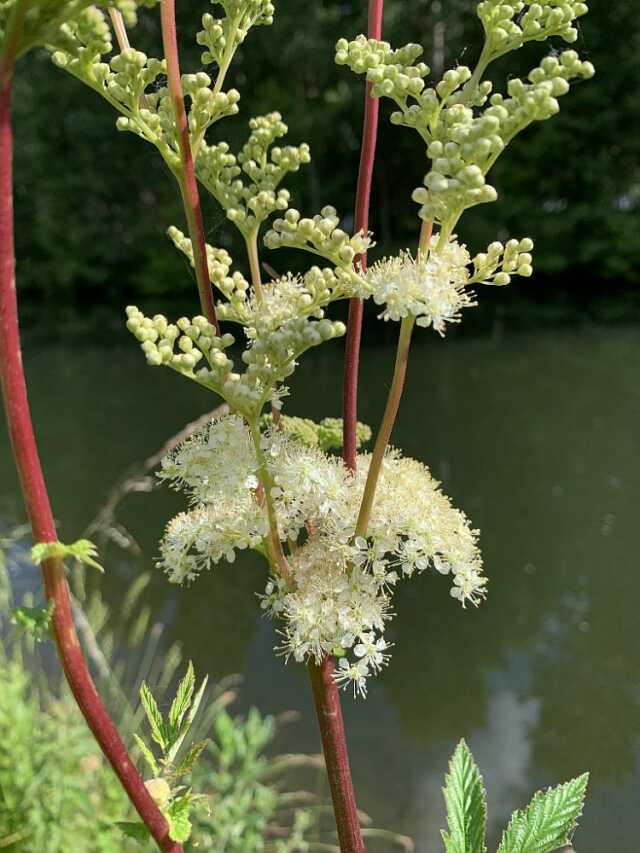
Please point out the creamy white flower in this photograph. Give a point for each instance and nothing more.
(352, 674)
(372, 651)
(219, 459)
(431, 288)
(194, 541)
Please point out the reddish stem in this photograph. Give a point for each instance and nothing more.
(334, 744)
(34, 490)
(325, 691)
(187, 175)
(363, 199)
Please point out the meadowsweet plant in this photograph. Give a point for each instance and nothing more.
(336, 538)
(336, 541)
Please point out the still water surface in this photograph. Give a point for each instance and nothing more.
(536, 437)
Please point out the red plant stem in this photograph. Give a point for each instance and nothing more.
(334, 744)
(34, 490)
(325, 691)
(363, 198)
(186, 175)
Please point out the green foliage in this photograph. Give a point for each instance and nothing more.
(44, 739)
(36, 621)
(53, 780)
(169, 734)
(546, 824)
(83, 551)
(548, 821)
(466, 802)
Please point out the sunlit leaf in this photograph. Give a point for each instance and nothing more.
(465, 797)
(548, 821)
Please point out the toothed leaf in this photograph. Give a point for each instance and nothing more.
(465, 797)
(156, 723)
(549, 820)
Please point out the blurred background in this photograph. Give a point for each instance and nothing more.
(528, 411)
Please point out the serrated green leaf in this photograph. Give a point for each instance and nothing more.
(154, 717)
(186, 723)
(147, 755)
(465, 798)
(36, 621)
(84, 551)
(188, 762)
(182, 701)
(178, 818)
(135, 830)
(548, 821)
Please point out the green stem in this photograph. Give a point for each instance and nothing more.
(278, 558)
(251, 241)
(486, 57)
(227, 56)
(393, 404)
(388, 420)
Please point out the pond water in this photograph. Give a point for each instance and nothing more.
(535, 436)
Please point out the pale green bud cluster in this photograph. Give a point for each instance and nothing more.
(320, 235)
(128, 81)
(81, 43)
(234, 286)
(183, 345)
(326, 434)
(56, 23)
(463, 140)
(465, 146)
(270, 358)
(248, 204)
(221, 36)
(392, 72)
(508, 24)
(500, 262)
(288, 298)
(207, 106)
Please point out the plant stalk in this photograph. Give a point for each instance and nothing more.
(325, 691)
(36, 499)
(251, 242)
(186, 175)
(363, 200)
(336, 756)
(386, 426)
(393, 403)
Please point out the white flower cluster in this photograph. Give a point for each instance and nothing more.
(434, 287)
(340, 598)
(217, 468)
(343, 584)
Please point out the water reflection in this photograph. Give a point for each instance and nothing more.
(534, 437)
